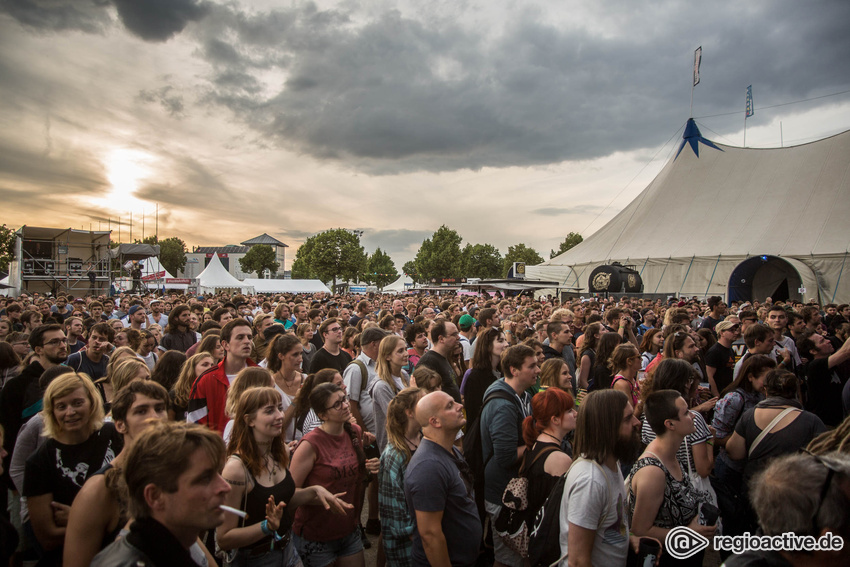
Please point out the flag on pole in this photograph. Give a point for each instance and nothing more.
(750, 108)
(697, 61)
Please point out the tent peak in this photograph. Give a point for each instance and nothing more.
(693, 138)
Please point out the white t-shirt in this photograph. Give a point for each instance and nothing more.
(595, 499)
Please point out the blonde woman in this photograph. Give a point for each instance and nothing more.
(108, 386)
(392, 357)
(192, 369)
(78, 445)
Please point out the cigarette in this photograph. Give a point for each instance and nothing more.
(239, 513)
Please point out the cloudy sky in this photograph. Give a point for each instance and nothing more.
(508, 121)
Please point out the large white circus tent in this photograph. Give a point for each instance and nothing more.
(741, 223)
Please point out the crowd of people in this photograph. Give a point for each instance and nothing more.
(443, 429)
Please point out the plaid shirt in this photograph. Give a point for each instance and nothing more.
(396, 522)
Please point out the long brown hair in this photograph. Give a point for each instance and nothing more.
(598, 424)
(187, 377)
(281, 344)
(242, 440)
(482, 358)
(397, 419)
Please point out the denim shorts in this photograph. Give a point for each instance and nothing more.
(286, 557)
(322, 553)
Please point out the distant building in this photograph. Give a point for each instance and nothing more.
(230, 254)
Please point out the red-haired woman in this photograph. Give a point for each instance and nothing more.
(553, 416)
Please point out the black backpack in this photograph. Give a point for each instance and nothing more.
(544, 541)
(472, 451)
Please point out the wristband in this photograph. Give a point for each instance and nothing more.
(264, 527)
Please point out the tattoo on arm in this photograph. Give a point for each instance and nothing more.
(234, 482)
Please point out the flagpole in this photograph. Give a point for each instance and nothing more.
(745, 129)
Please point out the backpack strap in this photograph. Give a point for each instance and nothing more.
(768, 429)
(494, 395)
(545, 451)
(364, 373)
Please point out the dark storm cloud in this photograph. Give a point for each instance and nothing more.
(159, 20)
(59, 15)
(398, 94)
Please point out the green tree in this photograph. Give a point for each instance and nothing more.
(333, 254)
(380, 269)
(482, 261)
(570, 241)
(7, 247)
(521, 253)
(259, 258)
(301, 269)
(172, 252)
(440, 255)
(409, 269)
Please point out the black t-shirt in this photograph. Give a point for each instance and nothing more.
(723, 359)
(80, 362)
(709, 323)
(438, 363)
(825, 390)
(790, 439)
(62, 469)
(323, 359)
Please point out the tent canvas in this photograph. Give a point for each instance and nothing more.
(286, 286)
(153, 267)
(215, 276)
(736, 222)
(403, 283)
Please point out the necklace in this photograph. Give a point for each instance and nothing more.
(414, 445)
(560, 441)
(270, 469)
(287, 383)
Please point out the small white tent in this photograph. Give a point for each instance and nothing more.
(403, 283)
(216, 277)
(286, 286)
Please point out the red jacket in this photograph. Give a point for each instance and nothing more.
(209, 394)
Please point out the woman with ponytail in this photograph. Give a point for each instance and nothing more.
(403, 437)
(553, 416)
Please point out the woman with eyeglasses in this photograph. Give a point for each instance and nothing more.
(262, 486)
(330, 456)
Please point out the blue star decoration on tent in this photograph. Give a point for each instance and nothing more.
(693, 137)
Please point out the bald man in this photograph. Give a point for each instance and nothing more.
(438, 488)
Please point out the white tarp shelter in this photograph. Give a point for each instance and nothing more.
(216, 277)
(403, 283)
(736, 222)
(286, 286)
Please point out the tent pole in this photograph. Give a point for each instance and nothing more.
(838, 281)
(686, 275)
(645, 262)
(662, 275)
(712, 275)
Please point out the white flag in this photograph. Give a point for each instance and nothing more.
(697, 61)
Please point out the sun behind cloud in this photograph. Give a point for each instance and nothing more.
(126, 169)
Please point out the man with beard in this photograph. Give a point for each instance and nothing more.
(593, 519)
(157, 317)
(177, 335)
(20, 399)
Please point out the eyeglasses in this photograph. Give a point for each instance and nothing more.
(335, 330)
(831, 471)
(54, 342)
(338, 405)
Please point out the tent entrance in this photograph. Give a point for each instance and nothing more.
(759, 277)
